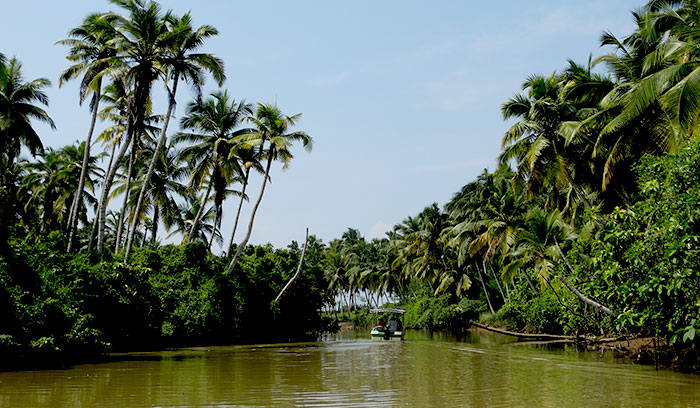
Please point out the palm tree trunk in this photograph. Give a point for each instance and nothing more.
(78, 196)
(483, 286)
(213, 230)
(151, 167)
(238, 213)
(122, 213)
(93, 228)
(585, 299)
(243, 243)
(500, 289)
(301, 261)
(102, 209)
(529, 282)
(198, 216)
(154, 227)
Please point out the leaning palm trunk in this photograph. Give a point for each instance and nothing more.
(102, 208)
(483, 286)
(217, 224)
(301, 262)
(498, 282)
(78, 196)
(151, 168)
(244, 242)
(238, 213)
(93, 228)
(198, 216)
(585, 299)
(120, 223)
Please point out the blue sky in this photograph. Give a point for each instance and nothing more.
(402, 97)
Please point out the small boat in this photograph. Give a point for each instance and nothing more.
(391, 330)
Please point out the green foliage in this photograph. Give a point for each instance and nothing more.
(58, 305)
(647, 260)
(530, 311)
(441, 313)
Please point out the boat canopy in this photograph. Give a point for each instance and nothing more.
(388, 310)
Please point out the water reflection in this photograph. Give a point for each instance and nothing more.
(347, 369)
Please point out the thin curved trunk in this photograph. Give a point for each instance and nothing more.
(78, 196)
(243, 243)
(102, 210)
(93, 228)
(151, 167)
(483, 286)
(585, 299)
(500, 288)
(122, 213)
(301, 261)
(238, 213)
(198, 216)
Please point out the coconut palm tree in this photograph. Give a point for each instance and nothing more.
(188, 211)
(272, 129)
(166, 185)
(539, 247)
(91, 46)
(180, 60)
(51, 181)
(18, 107)
(213, 154)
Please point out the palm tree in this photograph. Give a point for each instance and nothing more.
(535, 142)
(18, 108)
(141, 38)
(615, 126)
(249, 159)
(539, 246)
(188, 211)
(179, 60)
(91, 46)
(213, 156)
(272, 128)
(165, 186)
(51, 181)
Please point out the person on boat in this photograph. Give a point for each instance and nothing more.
(393, 325)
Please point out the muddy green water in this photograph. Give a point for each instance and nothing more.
(480, 370)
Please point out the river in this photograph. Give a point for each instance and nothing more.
(426, 370)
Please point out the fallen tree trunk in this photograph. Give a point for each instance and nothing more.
(524, 335)
(552, 337)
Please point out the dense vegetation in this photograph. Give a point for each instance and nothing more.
(588, 225)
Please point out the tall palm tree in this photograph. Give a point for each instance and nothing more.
(272, 128)
(18, 107)
(179, 60)
(213, 155)
(535, 142)
(141, 37)
(91, 46)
